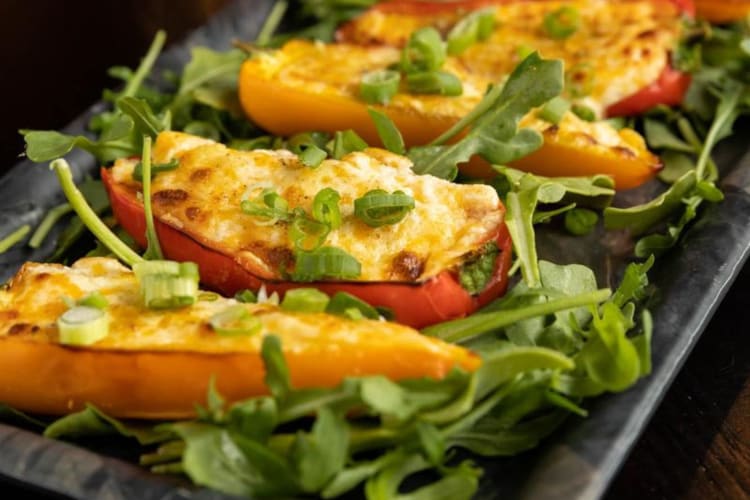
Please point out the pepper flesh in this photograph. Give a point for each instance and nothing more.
(722, 12)
(437, 299)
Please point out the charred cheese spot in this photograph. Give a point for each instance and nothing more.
(407, 266)
(169, 197)
(192, 213)
(439, 226)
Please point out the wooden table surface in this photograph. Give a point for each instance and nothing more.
(696, 447)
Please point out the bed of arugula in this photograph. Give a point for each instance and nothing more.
(553, 340)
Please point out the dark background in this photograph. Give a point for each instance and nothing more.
(53, 65)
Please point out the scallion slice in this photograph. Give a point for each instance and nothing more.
(425, 51)
(311, 155)
(380, 208)
(475, 27)
(584, 112)
(434, 82)
(305, 300)
(325, 208)
(82, 325)
(269, 206)
(306, 233)
(554, 110)
(325, 263)
(93, 299)
(562, 23)
(235, 320)
(246, 297)
(379, 87)
(346, 142)
(167, 291)
(345, 304)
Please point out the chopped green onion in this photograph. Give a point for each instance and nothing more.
(379, 87)
(269, 205)
(388, 132)
(425, 51)
(343, 304)
(475, 27)
(379, 208)
(93, 299)
(325, 263)
(82, 325)
(167, 284)
(580, 221)
(184, 269)
(208, 297)
(584, 112)
(347, 142)
(312, 156)
(48, 222)
(235, 320)
(306, 233)
(562, 23)
(155, 169)
(325, 208)
(14, 237)
(246, 297)
(554, 110)
(167, 291)
(579, 80)
(434, 82)
(305, 300)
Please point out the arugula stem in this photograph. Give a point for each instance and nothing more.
(89, 217)
(14, 238)
(147, 63)
(484, 105)
(48, 223)
(461, 330)
(725, 115)
(687, 131)
(271, 24)
(153, 251)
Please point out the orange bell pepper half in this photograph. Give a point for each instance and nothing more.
(157, 364)
(307, 86)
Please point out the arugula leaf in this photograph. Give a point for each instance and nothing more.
(153, 249)
(388, 132)
(93, 422)
(526, 191)
(493, 133)
(321, 454)
(277, 372)
(640, 218)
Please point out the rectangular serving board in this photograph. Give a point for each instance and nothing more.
(577, 462)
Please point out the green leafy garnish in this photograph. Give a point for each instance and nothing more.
(493, 124)
(476, 273)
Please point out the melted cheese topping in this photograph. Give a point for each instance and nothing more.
(33, 301)
(335, 71)
(625, 45)
(202, 198)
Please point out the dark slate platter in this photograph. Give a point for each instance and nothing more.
(577, 462)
